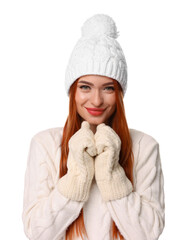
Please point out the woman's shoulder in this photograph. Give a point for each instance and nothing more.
(137, 136)
(54, 136)
(50, 136)
(144, 146)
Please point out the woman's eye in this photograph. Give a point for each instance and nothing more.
(84, 87)
(110, 88)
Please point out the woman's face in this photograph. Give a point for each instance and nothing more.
(95, 99)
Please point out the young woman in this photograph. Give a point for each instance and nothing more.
(95, 178)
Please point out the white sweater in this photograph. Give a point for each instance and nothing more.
(47, 213)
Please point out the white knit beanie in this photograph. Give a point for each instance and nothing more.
(97, 52)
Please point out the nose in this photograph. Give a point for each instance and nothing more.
(96, 98)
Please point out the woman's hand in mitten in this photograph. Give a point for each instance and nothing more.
(110, 176)
(76, 183)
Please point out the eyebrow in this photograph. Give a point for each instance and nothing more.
(91, 84)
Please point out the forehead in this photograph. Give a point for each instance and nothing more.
(96, 79)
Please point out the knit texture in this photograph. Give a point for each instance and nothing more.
(76, 183)
(110, 176)
(47, 213)
(97, 52)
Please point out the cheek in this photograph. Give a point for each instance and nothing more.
(112, 109)
(111, 101)
(80, 98)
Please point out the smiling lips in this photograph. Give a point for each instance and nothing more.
(95, 111)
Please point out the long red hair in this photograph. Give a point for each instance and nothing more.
(118, 122)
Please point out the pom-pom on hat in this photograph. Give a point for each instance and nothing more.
(97, 52)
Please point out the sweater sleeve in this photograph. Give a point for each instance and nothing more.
(140, 215)
(46, 212)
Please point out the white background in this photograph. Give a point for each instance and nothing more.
(36, 40)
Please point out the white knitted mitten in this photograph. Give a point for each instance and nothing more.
(75, 185)
(110, 176)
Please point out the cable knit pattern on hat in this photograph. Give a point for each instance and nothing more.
(97, 52)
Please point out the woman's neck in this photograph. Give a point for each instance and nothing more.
(93, 128)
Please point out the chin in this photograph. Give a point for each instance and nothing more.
(95, 121)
